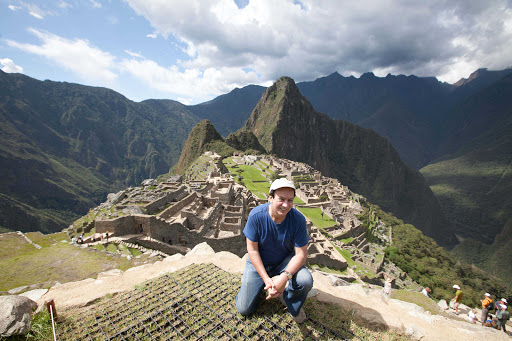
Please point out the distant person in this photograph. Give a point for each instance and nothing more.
(503, 316)
(472, 316)
(386, 291)
(426, 291)
(486, 304)
(491, 322)
(498, 304)
(457, 299)
(277, 241)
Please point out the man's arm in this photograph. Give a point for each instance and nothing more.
(296, 262)
(254, 255)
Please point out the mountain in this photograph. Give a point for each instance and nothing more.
(64, 146)
(473, 180)
(230, 111)
(409, 111)
(201, 136)
(286, 125)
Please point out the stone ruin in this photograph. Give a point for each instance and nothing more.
(175, 215)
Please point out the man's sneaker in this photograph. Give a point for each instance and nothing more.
(301, 317)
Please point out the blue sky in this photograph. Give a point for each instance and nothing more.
(192, 51)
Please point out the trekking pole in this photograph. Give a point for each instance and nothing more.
(50, 305)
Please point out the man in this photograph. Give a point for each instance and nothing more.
(486, 304)
(277, 241)
(457, 299)
(503, 316)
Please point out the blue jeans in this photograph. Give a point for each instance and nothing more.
(252, 285)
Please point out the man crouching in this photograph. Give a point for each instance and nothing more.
(277, 241)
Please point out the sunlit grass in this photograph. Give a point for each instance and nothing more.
(315, 215)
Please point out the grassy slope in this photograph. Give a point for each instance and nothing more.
(23, 264)
(474, 186)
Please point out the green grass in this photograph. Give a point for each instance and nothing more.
(13, 245)
(346, 240)
(99, 247)
(134, 252)
(59, 236)
(61, 262)
(111, 247)
(419, 299)
(315, 215)
(40, 239)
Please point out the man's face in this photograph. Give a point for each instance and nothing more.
(282, 202)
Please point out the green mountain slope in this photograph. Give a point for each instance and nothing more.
(64, 146)
(473, 183)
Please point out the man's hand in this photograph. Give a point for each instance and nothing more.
(271, 288)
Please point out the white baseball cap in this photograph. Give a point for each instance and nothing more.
(455, 286)
(504, 300)
(487, 294)
(280, 183)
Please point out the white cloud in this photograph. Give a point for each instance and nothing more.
(77, 55)
(314, 38)
(152, 35)
(9, 66)
(64, 4)
(202, 85)
(134, 54)
(14, 8)
(95, 4)
(36, 15)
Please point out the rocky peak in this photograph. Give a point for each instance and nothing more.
(203, 133)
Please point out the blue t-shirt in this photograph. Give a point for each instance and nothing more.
(276, 241)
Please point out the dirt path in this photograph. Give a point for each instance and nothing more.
(366, 304)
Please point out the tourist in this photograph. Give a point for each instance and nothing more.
(472, 316)
(277, 241)
(457, 299)
(386, 291)
(498, 304)
(491, 322)
(486, 304)
(426, 291)
(503, 316)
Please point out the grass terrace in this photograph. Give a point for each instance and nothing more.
(23, 264)
(315, 215)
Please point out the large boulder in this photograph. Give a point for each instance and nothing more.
(15, 315)
(442, 305)
(201, 249)
(114, 198)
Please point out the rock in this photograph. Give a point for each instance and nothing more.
(15, 315)
(114, 198)
(337, 281)
(17, 290)
(202, 249)
(34, 295)
(149, 182)
(313, 292)
(442, 305)
(173, 258)
(133, 210)
(414, 332)
(113, 272)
